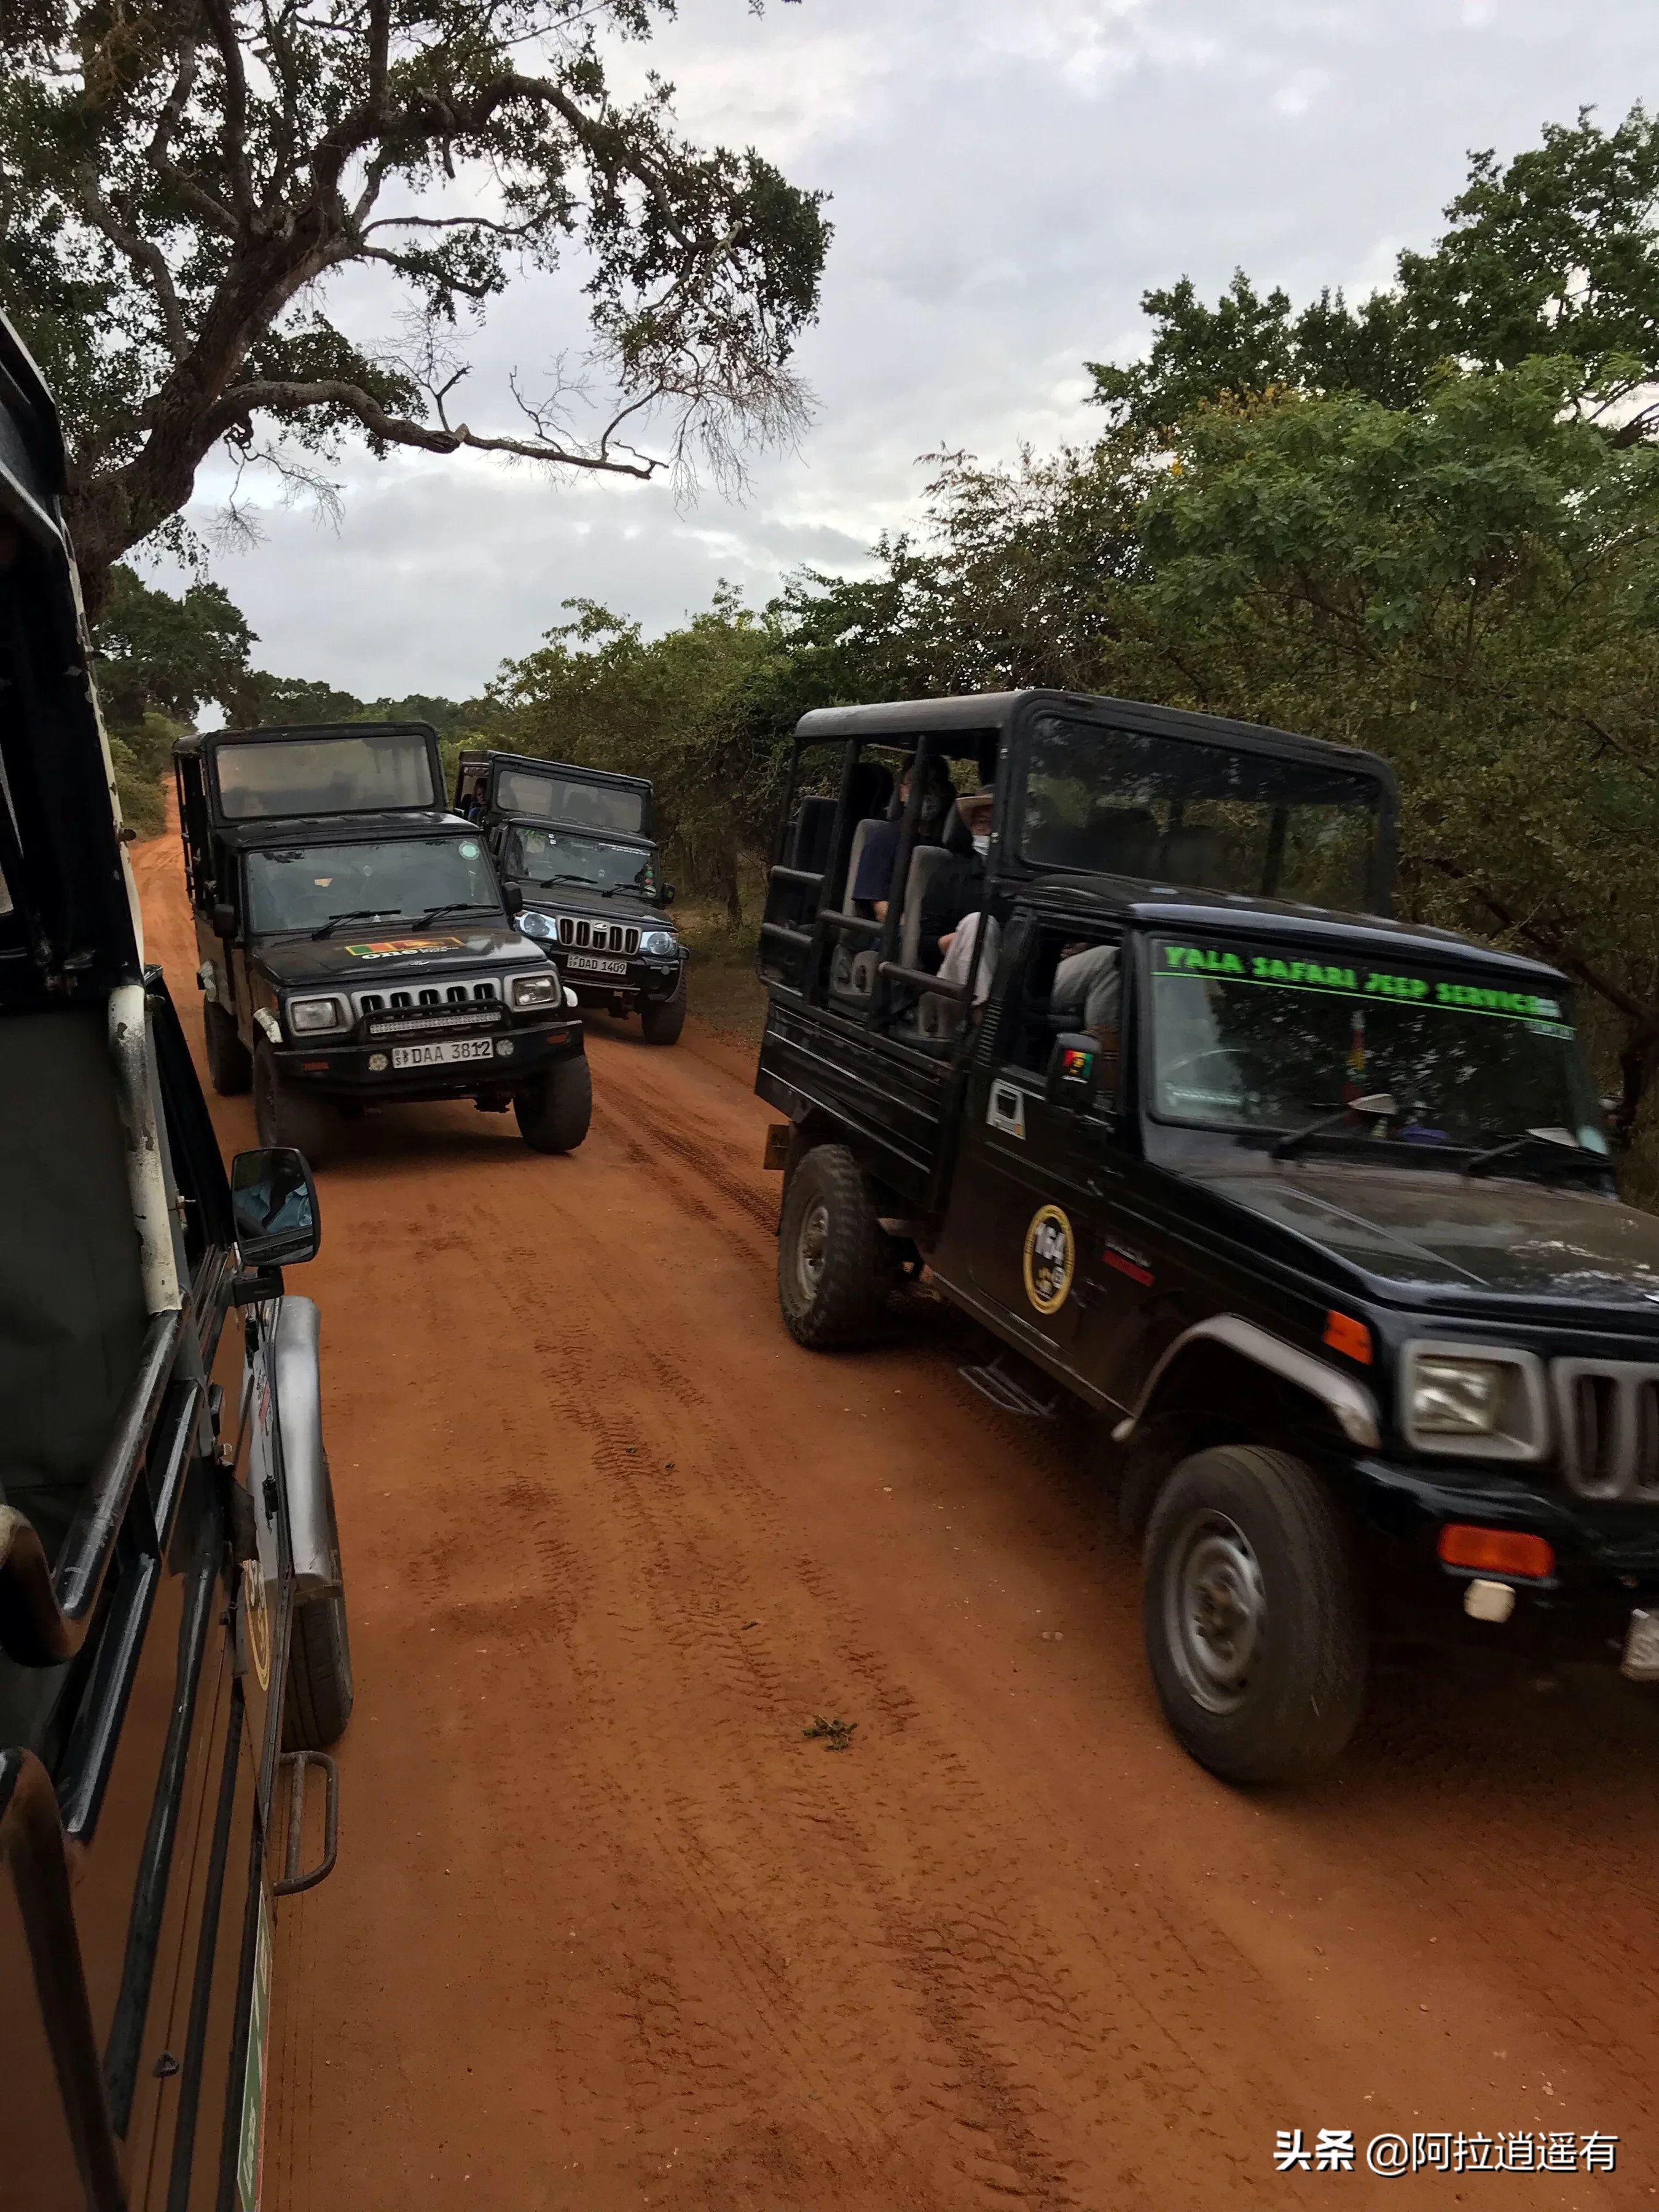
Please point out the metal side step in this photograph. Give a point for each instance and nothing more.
(994, 1381)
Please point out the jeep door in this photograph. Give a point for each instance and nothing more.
(1032, 1196)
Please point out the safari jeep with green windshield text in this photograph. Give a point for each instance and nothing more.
(576, 844)
(1313, 1206)
(356, 949)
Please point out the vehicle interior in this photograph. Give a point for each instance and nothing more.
(1079, 795)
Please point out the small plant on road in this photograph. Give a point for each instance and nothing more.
(836, 1735)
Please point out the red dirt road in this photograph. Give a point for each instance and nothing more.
(608, 1931)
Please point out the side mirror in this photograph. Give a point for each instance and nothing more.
(1074, 1077)
(665, 895)
(512, 899)
(273, 1203)
(224, 919)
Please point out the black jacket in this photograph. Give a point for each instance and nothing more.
(958, 890)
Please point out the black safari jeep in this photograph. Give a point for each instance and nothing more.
(1315, 1208)
(356, 949)
(173, 1651)
(576, 844)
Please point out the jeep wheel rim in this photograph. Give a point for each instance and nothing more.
(1214, 1610)
(812, 1247)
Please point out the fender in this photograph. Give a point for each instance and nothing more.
(1350, 1403)
(304, 1470)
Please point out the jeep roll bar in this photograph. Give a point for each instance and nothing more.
(995, 732)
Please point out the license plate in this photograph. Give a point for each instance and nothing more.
(591, 964)
(446, 1049)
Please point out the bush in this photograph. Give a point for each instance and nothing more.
(142, 758)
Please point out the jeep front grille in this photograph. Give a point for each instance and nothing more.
(468, 991)
(1609, 1412)
(578, 934)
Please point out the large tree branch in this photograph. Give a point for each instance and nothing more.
(514, 230)
(223, 24)
(599, 135)
(485, 288)
(280, 396)
(160, 149)
(145, 256)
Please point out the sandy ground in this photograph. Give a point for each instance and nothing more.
(608, 1930)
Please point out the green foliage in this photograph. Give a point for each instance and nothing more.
(178, 184)
(141, 759)
(172, 656)
(681, 709)
(1556, 255)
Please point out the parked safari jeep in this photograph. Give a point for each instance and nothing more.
(575, 843)
(1315, 1208)
(356, 949)
(173, 1651)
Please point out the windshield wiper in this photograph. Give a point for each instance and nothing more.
(1377, 1107)
(437, 913)
(359, 913)
(1558, 1140)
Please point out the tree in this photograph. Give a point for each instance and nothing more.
(1470, 588)
(1557, 254)
(681, 709)
(180, 180)
(159, 654)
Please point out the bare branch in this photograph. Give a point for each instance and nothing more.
(242, 401)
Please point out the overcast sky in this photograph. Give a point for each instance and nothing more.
(1007, 178)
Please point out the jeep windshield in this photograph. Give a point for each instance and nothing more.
(308, 886)
(552, 798)
(548, 858)
(340, 773)
(1285, 1041)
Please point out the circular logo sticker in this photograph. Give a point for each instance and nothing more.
(255, 1617)
(1050, 1259)
(468, 850)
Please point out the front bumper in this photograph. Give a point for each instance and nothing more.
(1606, 1555)
(640, 982)
(345, 1071)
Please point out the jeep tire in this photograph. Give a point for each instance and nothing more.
(555, 1108)
(835, 1266)
(286, 1114)
(317, 1697)
(230, 1064)
(1253, 1617)
(663, 1021)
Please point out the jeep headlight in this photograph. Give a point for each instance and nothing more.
(534, 990)
(659, 944)
(306, 1017)
(1458, 1397)
(532, 924)
(1484, 1402)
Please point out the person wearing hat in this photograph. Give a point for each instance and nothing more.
(956, 892)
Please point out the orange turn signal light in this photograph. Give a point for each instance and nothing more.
(1350, 1337)
(1496, 1551)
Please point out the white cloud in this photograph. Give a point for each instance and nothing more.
(1007, 180)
